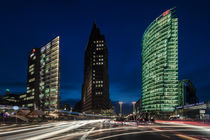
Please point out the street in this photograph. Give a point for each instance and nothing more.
(102, 130)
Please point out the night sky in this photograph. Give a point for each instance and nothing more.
(28, 24)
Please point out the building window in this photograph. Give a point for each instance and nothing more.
(31, 80)
(99, 93)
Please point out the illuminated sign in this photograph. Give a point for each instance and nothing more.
(166, 13)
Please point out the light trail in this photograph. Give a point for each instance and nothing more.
(151, 131)
(22, 130)
(130, 127)
(53, 133)
(40, 132)
(85, 135)
(33, 128)
(57, 130)
(186, 137)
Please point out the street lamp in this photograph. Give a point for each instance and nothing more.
(120, 103)
(133, 107)
(134, 113)
(16, 109)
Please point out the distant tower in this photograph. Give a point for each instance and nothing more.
(187, 93)
(160, 65)
(95, 89)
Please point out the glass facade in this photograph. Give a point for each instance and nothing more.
(187, 92)
(160, 64)
(50, 75)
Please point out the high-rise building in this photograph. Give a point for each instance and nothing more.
(95, 89)
(43, 81)
(160, 64)
(33, 78)
(187, 93)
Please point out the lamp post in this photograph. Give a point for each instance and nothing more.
(134, 113)
(133, 107)
(120, 103)
(16, 109)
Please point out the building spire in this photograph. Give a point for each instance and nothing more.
(94, 24)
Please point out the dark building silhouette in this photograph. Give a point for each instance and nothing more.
(33, 78)
(95, 89)
(187, 93)
(138, 107)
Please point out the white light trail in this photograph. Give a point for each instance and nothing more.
(85, 135)
(71, 127)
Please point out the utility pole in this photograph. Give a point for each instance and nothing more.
(134, 112)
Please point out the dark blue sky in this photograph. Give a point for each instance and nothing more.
(27, 24)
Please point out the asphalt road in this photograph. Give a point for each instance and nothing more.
(100, 130)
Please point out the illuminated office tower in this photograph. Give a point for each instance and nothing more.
(43, 81)
(160, 64)
(49, 85)
(95, 89)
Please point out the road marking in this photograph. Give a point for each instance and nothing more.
(85, 135)
(165, 136)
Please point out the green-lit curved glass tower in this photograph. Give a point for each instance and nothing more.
(160, 64)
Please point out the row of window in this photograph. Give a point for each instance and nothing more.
(99, 93)
(99, 85)
(31, 66)
(31, 69)
(98, 63)
(31, 80)
(98, 41)
(99, 45)
(97, 82)
(99, 49)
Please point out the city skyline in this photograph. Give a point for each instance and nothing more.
(121, 36)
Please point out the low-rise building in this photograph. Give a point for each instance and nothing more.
(197, 111)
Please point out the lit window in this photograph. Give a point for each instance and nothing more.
(31, 80)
